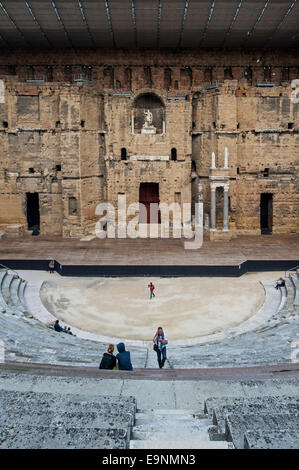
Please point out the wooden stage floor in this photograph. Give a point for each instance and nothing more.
(150, 251)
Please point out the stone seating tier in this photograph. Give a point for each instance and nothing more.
(27, 339)
(237, 419)
(50, 420)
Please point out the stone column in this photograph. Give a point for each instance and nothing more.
(225, 209)
(213, 208)
(225, 158)
(213, 160)
(200, 193)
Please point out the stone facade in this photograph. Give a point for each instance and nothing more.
(73, 135)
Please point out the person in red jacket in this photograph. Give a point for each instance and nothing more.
(151, 288)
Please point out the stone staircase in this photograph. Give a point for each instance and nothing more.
(172, 429)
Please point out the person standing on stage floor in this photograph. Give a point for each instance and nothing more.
(108, 360)
(151, 288)
(51, 266)
(160, 342)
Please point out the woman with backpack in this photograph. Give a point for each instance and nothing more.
(160, 342)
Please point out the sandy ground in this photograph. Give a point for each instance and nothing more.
(185, 307)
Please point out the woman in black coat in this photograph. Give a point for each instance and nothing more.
(108, 360)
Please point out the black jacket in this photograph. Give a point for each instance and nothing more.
(108, 361)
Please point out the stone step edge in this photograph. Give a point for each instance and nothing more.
(182, 444)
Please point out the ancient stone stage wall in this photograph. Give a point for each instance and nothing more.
(71, 130)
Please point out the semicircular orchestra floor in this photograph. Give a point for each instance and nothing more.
(184, 307)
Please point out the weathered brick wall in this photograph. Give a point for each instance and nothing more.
(163, 69)
(259, 126)
(53, 146)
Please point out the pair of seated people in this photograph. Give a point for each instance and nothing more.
(59, 328)
(123, 358)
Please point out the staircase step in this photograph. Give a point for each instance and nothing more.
(148, 419)
(168, 412)
(161, 434)
(182, 444)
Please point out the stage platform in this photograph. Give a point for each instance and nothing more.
(159, 257)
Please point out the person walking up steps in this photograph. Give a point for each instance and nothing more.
(151, 288)
(160, 342)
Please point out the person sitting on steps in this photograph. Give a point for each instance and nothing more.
(108, 360)
(123, 357)
(280, 283)
(57, 327)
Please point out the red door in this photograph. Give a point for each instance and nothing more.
(149, 197)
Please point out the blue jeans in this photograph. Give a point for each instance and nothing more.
(163, 354)
(152, 294)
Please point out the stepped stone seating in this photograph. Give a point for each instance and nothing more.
(28, 339)
(295, 280)
(267, 344)
(80, 405)
(237, 425)
(53, 420)
(235, 418)
(280, 439)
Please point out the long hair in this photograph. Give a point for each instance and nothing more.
(110, 348)
(160, 328)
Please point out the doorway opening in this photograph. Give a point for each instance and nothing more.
(123, 153)
(149, 197)
(266, 213)
(32, 205)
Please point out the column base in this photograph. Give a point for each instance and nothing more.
(220, 235)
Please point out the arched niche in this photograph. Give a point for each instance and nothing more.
(148, 102)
